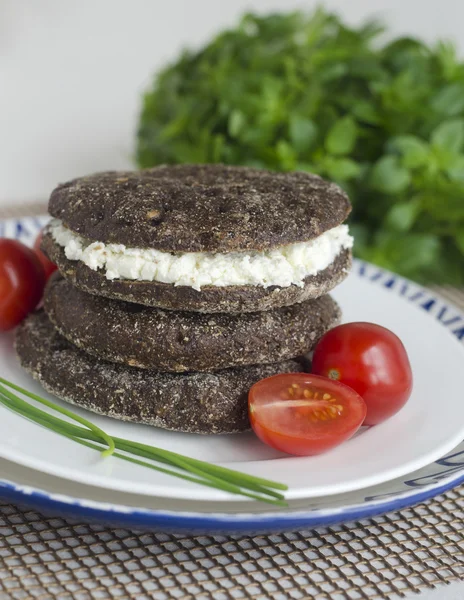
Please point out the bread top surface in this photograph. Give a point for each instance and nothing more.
(200, 208)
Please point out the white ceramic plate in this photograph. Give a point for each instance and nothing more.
(54, 495)
(431, 424)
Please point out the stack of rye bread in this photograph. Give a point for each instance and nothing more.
(179, 287)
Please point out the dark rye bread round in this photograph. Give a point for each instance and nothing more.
(228, 299)
(200, 208)
(151, 338)
(193, 402)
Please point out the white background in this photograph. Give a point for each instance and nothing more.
(71, 73)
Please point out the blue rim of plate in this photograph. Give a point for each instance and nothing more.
(449, 469)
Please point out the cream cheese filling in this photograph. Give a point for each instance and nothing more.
(283, 266)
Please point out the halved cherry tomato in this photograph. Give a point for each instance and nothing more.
(47, 264)
(304, 414)
(370, 359)
(22, 280)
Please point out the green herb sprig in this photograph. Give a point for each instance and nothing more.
(183, 467)
(309, 92)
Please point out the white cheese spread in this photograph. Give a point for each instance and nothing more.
(282, 266)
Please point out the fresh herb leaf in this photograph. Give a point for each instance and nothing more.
(414, 151)
(341, 137)
(389, 176)
(183, 467)
(302, 132)
(449, 100)
(104, 437)
(449, 135)
(236, 122)
(401, 217)
(340, 169)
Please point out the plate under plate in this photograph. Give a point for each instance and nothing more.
(420, 433)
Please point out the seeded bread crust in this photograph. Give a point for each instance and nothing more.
(228, 299)
(200, 208)
(151, 338)
(203, 403)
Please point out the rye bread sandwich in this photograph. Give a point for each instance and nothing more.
(202, 238)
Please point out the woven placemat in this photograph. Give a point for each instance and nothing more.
(400, 552)
(389, 556)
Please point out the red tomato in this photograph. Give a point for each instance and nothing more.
(304, 414)
(22, 281)
(48, 266)
(370, 359)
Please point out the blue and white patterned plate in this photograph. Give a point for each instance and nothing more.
(88, 500)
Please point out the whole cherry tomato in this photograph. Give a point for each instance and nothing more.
(22, 280)
(370, 359)
(47, 264)
(304, 414)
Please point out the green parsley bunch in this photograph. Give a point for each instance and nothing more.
(308, 92)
